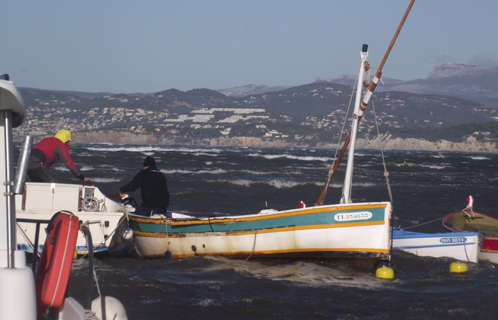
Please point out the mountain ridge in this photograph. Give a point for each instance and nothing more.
(308, 114)
(478, 83)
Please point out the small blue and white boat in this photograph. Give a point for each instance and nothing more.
(462, 246)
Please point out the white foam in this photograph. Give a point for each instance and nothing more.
(430, 166)
(301, 158)
(105, 180)
(242, 182)
(283, 184)
(439, 156)
(479, 158)
(150, 148)
(216, 171)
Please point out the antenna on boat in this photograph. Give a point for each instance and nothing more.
(364, 104)
(22, 164)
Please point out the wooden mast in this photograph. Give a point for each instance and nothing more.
(364, 103)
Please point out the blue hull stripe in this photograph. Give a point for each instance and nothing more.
(436, 245)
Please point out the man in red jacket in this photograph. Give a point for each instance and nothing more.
(49, 151)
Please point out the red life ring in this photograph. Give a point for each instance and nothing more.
(56, 260)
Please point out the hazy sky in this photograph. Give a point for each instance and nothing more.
(149, 46)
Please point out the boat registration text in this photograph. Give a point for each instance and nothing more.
(452, 240)
(353, 216)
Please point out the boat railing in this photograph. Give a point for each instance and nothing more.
(88, 235)
(38, 222)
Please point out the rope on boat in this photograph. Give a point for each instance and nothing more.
(28, 240)
(331, 172)
(346, 118)
(464, 246)
(96, 281)
(463, 235)
(253, 245)
(386, 174)
(421, 224)
(167, 232)
(117, 227)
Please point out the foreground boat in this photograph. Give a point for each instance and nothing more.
(463, 246)
(469, 220)
(347, 231)
(21, 297)
(40, 200)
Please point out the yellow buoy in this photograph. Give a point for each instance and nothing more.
(458, 267)
(384, 272)
(75, 254)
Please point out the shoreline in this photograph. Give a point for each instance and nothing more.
(386, 141)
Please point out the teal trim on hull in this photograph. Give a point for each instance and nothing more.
(295, 219)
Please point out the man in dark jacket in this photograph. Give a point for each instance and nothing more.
(49, 151)
(154, 189)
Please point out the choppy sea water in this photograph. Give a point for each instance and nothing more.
(227, 181)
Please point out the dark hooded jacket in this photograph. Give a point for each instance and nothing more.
(154, 188)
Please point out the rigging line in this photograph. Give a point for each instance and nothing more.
(363, 93)
(209, 220)
(347, 112)
(167, 231)
(386, 173)
(371, 89)
(332, 171)
(337, 160)
(392, 243)
(464, 246)
(421, 224)
(25, 236)
(115, 229)
(96, 281)
(360, 118)
(253, 245)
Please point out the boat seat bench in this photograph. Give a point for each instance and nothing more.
(482, 228)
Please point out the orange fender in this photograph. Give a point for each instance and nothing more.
(56, 260)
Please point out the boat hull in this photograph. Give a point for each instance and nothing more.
(339, 231)
(463, 246)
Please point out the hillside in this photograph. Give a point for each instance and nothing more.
(307, 115)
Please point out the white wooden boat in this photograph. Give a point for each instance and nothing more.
(462, 246)
(21, 297)
(40, 201)
(347, 231)
(332, 231)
